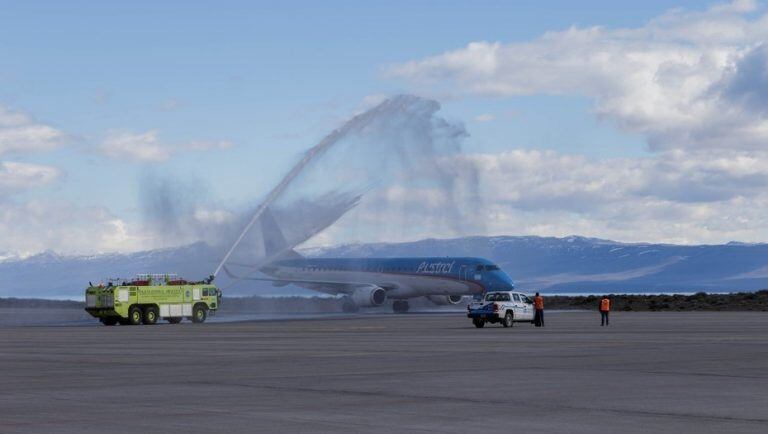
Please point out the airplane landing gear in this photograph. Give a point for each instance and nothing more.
(400, 306)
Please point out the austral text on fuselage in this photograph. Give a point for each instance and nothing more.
(435, 267)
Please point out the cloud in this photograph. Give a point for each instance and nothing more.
(674, 197)
(20, 133)
(136, 146)
(16, 177)
(550, 180)
(170, 104)
(671, 197)
(147, 146)
(38, 225)
(694, 83)
(685, 80)
(747, 83)
(485, 117)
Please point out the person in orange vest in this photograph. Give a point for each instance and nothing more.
(538, 304)
(605, 309)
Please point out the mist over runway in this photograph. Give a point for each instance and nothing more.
(659, 372)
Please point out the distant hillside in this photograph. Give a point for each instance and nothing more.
(564, 265)
(578, 264)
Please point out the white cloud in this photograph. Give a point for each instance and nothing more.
(668, 79)
(673, 197)
(694, 83)
(136, 146)
(170, 104)
(485, 117)
(148, 147)
(20, 133)
(38, 225)
(16, 177)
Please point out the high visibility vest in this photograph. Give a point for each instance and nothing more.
(605, 305)
(538, 302)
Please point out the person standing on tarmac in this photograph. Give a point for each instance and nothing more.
(605, 309)
(538, 304)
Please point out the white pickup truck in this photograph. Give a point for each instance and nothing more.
(506, 307)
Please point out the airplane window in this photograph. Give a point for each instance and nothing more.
(479, 268)
(491, 267)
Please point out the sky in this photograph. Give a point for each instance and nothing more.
(635, 122)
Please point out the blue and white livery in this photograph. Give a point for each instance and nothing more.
(369, 282)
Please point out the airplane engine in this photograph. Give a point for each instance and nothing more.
(369, 296)
(444, 300)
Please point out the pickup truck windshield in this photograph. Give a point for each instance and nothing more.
(501, 296)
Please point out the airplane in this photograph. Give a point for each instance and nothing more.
(369, 282)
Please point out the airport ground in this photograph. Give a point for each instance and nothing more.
(648, 372)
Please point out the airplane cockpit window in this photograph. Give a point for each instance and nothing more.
(479, 268)
(492, 267)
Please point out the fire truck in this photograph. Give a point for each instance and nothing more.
(149, 298)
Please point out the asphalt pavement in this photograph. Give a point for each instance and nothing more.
(647, 372)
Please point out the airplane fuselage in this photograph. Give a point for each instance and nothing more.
(402, 278)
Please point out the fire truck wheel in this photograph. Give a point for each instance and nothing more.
(199, 314)
(134, 315)
(150, 315)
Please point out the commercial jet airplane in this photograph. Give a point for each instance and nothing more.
(369, 282)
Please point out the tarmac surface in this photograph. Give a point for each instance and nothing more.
(647, 372)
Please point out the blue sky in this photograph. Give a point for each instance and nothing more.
(256, 83)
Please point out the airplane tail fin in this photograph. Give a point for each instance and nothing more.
(275, 244)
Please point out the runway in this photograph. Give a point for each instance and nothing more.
(647, 372)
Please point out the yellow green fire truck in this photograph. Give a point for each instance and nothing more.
(151, 297)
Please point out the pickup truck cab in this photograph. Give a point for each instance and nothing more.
(506, 307)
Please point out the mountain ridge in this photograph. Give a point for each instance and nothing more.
(550, 264)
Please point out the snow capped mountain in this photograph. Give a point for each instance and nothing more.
(570, 264)
(579, 264)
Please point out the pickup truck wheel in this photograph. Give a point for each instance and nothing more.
(134, 315)
(478, 323)
(509, 320)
